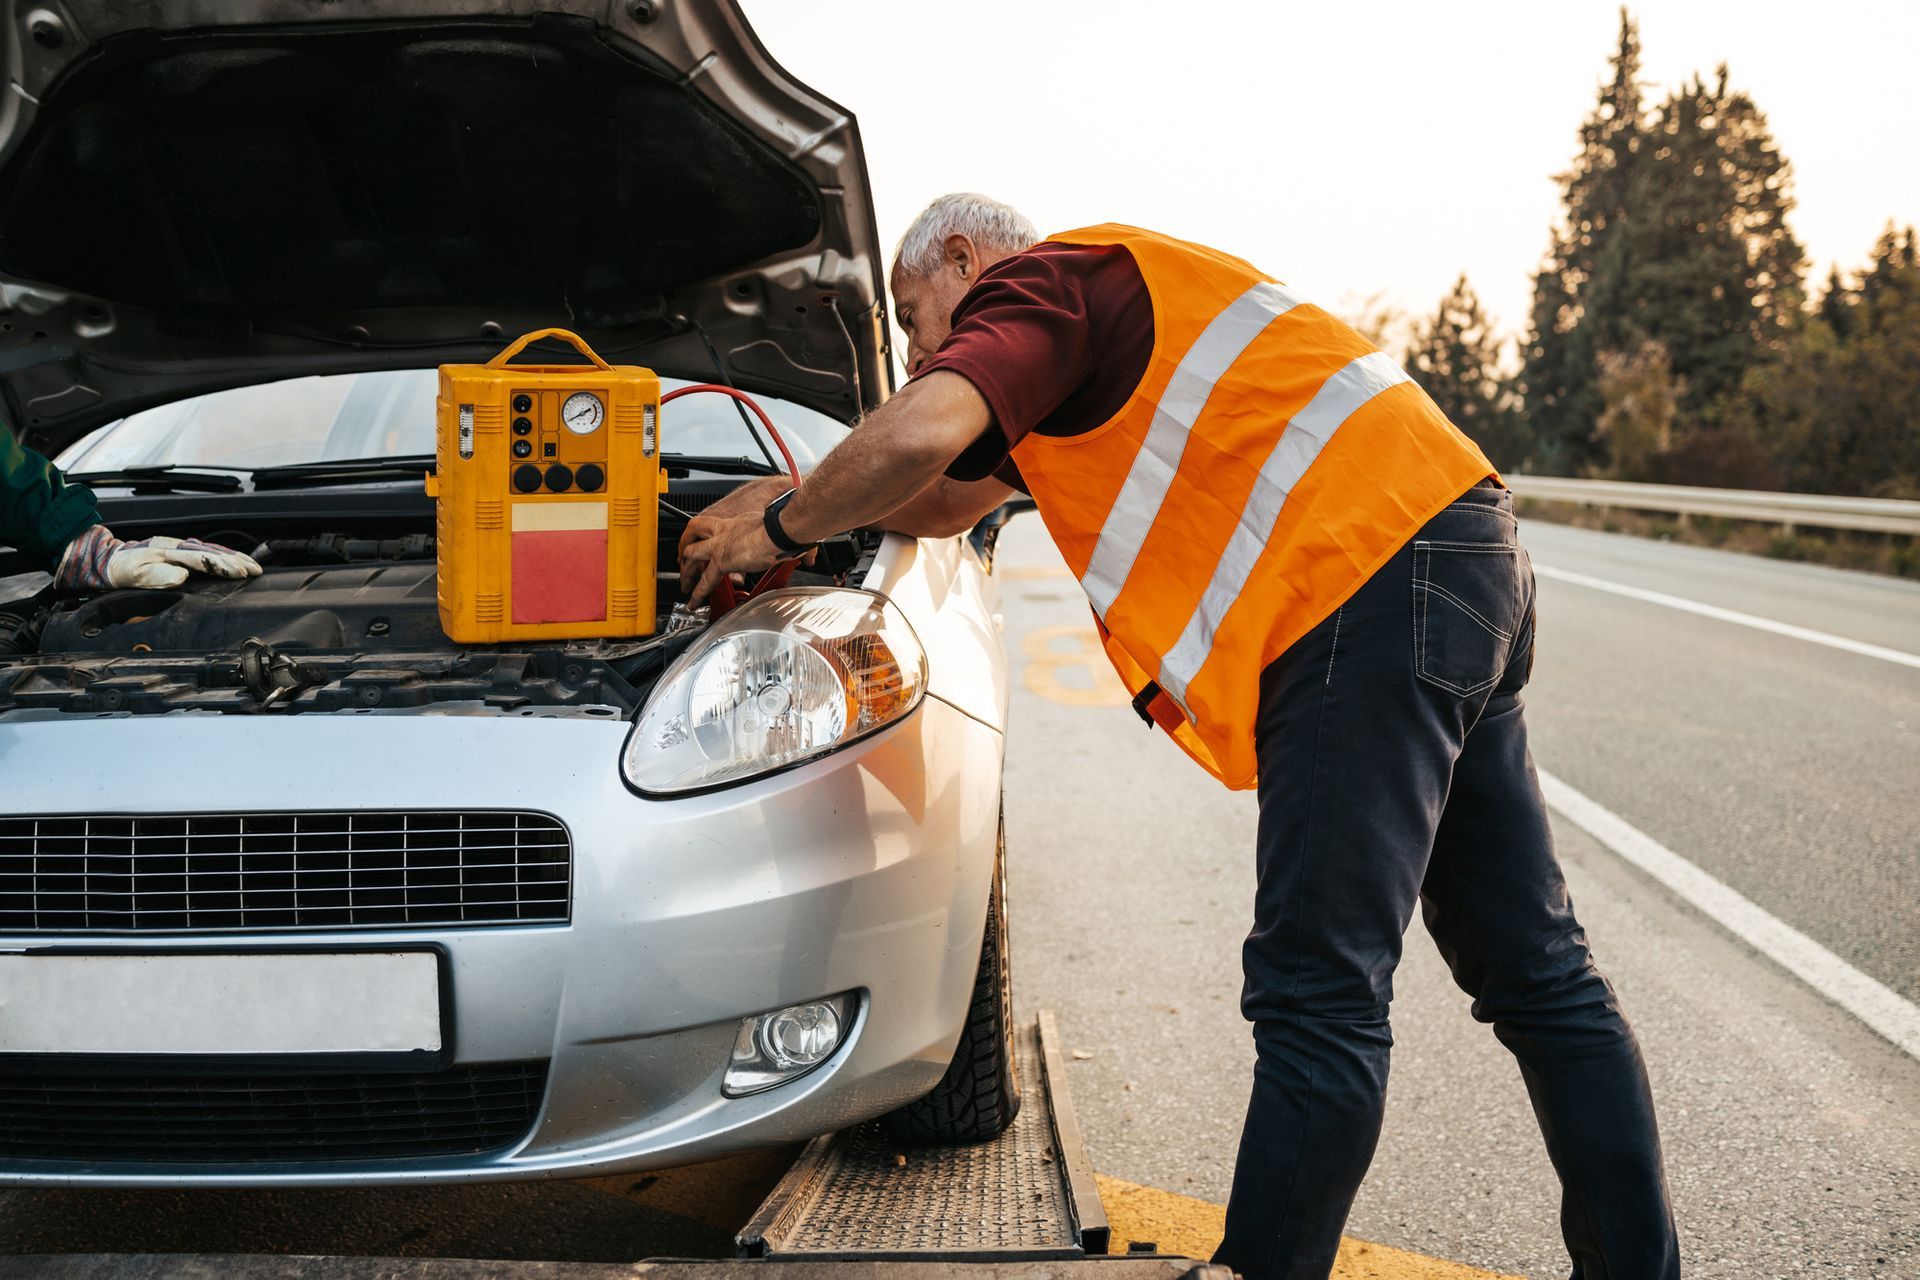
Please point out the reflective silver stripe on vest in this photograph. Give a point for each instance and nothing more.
(1138, 506)
(1336, 401)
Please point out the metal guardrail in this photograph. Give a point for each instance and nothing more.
(1814, 511)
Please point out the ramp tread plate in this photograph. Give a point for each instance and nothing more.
(1004, 1197)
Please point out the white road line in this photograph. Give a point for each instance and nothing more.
(1885, 1010)
(1755, 621)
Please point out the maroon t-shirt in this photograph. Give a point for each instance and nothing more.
(1055, 339)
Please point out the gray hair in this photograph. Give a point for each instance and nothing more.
(995, 228)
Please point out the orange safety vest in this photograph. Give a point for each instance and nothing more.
(1269, 462)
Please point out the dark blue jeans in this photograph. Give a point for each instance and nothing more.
(1393, 770)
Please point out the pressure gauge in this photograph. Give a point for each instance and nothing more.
(582, 413)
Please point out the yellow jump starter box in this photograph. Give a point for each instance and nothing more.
(547, 489)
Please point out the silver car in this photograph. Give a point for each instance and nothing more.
(294, 890)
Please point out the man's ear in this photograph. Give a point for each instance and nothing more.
(961, 257)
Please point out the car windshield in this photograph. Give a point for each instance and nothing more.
(387, 414)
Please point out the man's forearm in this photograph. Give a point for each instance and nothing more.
(860, 488)
(945, 508)
(893, 455)
(925, 515)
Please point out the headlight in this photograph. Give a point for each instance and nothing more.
(782, 679)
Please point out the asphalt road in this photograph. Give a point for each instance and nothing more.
(1783, 767)
(1789, 770)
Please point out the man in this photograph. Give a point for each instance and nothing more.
(1311, 580)
(57, 524)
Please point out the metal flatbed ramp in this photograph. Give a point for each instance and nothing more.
(1027, 1195)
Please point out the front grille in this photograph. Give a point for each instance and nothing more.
(231, 1117)
(223, 872)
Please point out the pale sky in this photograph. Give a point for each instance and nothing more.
(1349, 150)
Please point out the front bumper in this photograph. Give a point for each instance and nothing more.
(867, 871)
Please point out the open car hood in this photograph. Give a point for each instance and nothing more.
(197, 194)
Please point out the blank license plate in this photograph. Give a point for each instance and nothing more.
(366, 1002)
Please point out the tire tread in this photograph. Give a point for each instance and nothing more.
(976, 1099)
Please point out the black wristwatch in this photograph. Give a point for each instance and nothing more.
(775, 534)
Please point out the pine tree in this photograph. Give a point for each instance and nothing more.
(1889, 281)
(1717, 273)
(1576, 306)
(1836, 407)
(1674, 234)
(1456, 357)
(1836, 306)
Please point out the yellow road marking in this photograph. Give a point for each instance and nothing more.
(1181, 1224)
(1050, 651)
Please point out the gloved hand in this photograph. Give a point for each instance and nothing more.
(96, 560)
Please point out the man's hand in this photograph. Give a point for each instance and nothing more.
(97, 560)
(715, 546)
(753, 496)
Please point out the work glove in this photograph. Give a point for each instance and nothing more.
(96, 560)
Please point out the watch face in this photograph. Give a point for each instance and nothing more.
(583, 413)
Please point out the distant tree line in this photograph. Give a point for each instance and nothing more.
(1672, 337)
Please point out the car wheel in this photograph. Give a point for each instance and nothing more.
(980, 1093)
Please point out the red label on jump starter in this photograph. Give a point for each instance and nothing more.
(559, 554)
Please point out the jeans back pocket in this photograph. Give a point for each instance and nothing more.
(1466, 612)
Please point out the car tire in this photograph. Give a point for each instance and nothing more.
(980, 1093)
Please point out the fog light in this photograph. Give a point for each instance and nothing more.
(773, 1048)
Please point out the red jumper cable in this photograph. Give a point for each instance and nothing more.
(725, 595)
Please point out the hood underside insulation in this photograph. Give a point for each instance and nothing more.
(224, 181)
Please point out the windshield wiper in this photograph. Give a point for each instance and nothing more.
(343, 471)
(193, 479)
(386, 470)
(725, 466)
(169, 478)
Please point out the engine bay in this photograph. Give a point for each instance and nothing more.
(339, 620)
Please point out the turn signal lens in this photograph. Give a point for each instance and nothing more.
(783, 679)
(773, 1048)
(877, 684)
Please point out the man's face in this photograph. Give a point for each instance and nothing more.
(923, 304)
(923, 307)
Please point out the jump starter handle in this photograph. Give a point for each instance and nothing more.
(526, 340)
